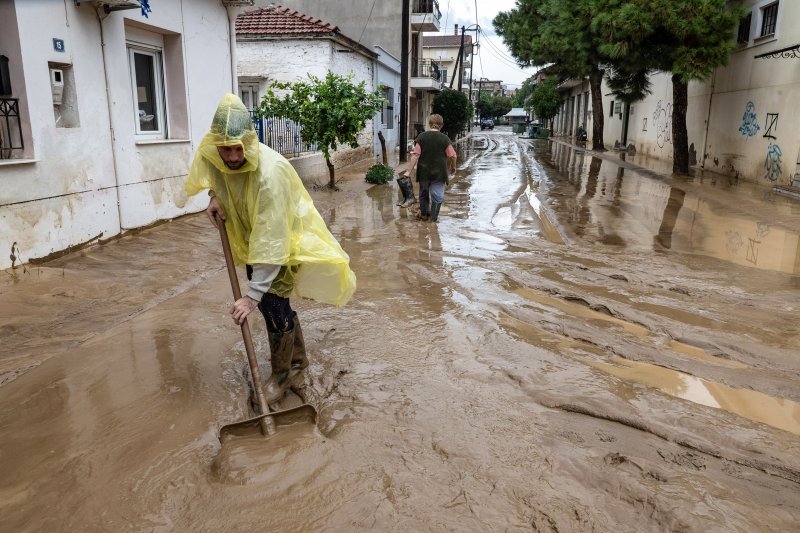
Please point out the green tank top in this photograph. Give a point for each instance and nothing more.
(432, 164)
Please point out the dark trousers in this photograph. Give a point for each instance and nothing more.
(430, 191)
(276, 310)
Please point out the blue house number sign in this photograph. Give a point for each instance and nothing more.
(58, 45)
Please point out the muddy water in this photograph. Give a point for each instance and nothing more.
(565, 350)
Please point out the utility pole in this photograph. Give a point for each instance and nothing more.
(459, 62)
(461, 53)
(406, 23)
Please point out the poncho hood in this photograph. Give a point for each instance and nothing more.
(232, 125)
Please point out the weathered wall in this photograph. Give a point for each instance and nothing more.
(387, 73)
(294, 59)
(741, 121)
(365, 21)
(84, 184)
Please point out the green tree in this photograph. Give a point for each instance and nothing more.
(501, 105)
(520, 98)
(562, 35)
(456, 111)
(545, 100)
(484, 105)
(331, 110)
(688, 38)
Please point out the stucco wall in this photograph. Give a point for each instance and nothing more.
(740, 121)
(294, 59)
(366, 21)
(83, 184)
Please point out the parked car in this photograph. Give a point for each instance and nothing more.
(487, 124)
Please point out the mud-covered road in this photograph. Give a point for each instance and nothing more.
(578, 345)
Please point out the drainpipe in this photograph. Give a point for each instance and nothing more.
(101, 16)
(708, 119)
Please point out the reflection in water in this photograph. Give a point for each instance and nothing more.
(647, 212)
(776, 412)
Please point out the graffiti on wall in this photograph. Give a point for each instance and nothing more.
(749, 125)
(772, 163)
(771, 125)
(662, 119)
(734, 242)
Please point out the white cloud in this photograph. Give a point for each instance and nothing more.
(493, 61)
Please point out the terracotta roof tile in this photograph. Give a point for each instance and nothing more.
(280, 21)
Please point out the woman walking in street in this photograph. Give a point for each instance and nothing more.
(434, 159)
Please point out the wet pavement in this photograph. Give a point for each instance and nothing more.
(578, 345)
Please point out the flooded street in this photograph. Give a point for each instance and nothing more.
(577, 345)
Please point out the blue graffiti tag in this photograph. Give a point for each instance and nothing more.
(772, 164)
(749, 121)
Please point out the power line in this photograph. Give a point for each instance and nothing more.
(499, 51)
(367, 22)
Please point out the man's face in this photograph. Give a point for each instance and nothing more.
(233, 156)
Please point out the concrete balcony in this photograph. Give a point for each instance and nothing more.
(425, 15)
(426, 75)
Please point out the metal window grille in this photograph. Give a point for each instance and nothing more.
(744, 29)
(769, 19)
(10, 127)
(282, 135)
(426, 68)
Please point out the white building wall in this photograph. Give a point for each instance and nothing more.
(294, 59)
(741, 120)
(95, 180)
(387, 73)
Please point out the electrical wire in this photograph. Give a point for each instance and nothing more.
(367, 22)
(501, 56)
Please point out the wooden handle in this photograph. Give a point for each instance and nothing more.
(267, 424)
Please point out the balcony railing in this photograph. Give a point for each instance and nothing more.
(427, 68)
(10, 127)
(425, 7)
(282, 135)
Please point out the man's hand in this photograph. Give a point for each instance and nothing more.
(214, 207)
(241, 308)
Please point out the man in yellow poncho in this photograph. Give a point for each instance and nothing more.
(275, 230)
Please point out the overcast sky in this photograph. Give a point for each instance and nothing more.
(493, 61)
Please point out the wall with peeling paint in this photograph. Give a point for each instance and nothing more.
(292, 59)
(79, 184)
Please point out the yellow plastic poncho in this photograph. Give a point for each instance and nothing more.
(270, 217)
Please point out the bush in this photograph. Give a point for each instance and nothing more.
(379, 174)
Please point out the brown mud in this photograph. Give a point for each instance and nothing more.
(577, 345)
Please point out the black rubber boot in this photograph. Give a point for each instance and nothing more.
(435, 206)
(281, 346)
(299, 356)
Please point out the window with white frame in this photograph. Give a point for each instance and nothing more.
(159, 97)
(147, 79)
(769, 19)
